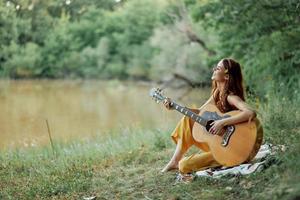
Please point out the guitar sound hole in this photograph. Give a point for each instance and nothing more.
(209, 125)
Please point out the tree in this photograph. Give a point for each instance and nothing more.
(262, 35)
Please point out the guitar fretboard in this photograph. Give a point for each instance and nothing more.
(197, 118)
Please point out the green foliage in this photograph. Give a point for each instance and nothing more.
(279, 114)
(176, 54)
(89, 39)
(262, 35)
(151, 39)
(24, 61)
(160, 142)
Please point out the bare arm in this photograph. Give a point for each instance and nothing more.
(247, 113)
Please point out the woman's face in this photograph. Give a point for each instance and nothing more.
(219, 74)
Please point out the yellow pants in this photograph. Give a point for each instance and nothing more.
(196, 161)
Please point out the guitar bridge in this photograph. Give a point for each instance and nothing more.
(228, 133)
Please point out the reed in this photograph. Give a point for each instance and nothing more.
(50, 137)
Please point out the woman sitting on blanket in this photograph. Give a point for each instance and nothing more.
(227, 94)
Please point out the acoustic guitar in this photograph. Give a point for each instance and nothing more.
(234, 145)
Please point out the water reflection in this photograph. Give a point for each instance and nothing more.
(80, 109)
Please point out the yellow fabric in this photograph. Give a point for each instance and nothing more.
(196, 161)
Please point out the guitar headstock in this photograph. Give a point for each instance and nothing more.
(156, 93)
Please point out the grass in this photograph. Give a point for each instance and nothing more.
(126, 165)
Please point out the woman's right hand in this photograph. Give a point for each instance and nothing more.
(167, 103)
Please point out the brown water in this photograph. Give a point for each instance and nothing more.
(81, 109)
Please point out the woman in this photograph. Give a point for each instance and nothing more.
(227, 94)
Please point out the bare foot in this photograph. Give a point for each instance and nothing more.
(170, 166)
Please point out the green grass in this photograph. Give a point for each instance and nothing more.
(126, 165)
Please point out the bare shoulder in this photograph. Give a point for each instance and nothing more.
(234, 99)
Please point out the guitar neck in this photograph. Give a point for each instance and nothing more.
(187, 112)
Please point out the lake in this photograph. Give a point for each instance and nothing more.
(78, 109)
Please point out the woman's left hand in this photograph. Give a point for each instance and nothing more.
(217, 126)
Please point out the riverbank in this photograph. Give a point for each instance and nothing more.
(126, 165)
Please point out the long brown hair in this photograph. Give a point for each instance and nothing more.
(234, 85)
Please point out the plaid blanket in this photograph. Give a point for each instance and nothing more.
(262, 160)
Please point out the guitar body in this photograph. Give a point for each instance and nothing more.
(238, 144)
